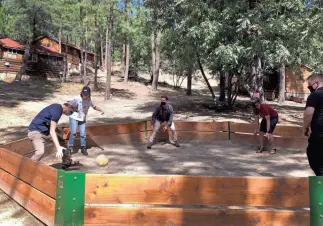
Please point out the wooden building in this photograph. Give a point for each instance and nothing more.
(72, 52)
(43, 61)
(295, 83)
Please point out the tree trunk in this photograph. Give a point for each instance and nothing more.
(282, 88)
(153, 57)
(189, 76)
(108, 53)
(24, 63)
(126, 44)
(97, 54)
(205, 78)
(60, 40)
(157, 39)
(102, 54)
(254, 83)
(222, 86)
(85, 55)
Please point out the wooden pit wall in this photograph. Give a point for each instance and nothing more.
(31, 184)
(285, 136)
(159, 200)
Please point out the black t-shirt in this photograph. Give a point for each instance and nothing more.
(42, 121)
(315, 100)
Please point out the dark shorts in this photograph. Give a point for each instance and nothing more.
(263, 125)
(315, 155)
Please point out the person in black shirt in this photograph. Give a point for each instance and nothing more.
(163, 117)
(313, 122)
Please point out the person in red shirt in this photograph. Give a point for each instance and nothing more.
(267, 126)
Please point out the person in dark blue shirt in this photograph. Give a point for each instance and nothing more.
(313, 123)
(45, 124)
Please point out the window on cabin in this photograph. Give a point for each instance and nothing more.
(34, 57)
(12, 54)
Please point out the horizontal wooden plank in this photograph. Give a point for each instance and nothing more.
(38, 175)
(190, 136)
(114, 216)
(281, 130)
(21, 147)
(198, 126)
(197, 190)
(37, 203)
(114, 129)
(280, 142)
(128, 138)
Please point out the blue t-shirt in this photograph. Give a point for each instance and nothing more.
(42, 121)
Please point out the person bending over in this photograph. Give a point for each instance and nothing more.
(267, 125)
(44, 124)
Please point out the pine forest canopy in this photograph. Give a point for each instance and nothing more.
(241, 38)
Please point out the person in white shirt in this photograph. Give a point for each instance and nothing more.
(79, 118)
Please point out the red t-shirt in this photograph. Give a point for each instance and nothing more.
(266, 110)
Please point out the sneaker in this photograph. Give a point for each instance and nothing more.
(176, 144)
(84, 151)
(260, 150)
(149, 145)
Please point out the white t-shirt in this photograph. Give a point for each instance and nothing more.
(83, 108)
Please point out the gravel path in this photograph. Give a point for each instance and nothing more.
(13, 214)
(221, 158)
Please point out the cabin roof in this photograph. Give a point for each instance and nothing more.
(12, 44)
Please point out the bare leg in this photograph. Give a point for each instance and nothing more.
(261, 139)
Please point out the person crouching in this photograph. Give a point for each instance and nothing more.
(163, 118)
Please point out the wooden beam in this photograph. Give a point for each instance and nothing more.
(38, 175)
(197, 190)
(128, 138)
(281, 130)
(21, 147)
(37, 203)
(114, 129)
(198, 126)
(114, 216)
(189, 136)
(280, 142)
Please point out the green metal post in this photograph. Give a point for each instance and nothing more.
(229, 131)
(70, 192)
(316, 200)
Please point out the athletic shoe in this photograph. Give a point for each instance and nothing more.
(84, 151)
(149, 145)
(176, 144)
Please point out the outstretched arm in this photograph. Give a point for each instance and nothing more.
(53, 135)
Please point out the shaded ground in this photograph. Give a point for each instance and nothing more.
(13, 214)
(221, 158)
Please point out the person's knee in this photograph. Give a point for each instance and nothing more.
(73, 134)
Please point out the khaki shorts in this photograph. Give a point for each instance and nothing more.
(38, 141)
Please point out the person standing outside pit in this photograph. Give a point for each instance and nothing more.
(44, 124)
(163, 118)
(78, 119)
(267, 125)
(313, 119)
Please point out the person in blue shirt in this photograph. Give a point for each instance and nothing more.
(44, 124)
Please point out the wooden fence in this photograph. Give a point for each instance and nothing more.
(172, 200)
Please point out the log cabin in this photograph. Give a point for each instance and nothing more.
(72, 52)
(43, 61)
(295, 83)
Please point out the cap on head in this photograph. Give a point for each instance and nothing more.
(86, 90)
(73, 104)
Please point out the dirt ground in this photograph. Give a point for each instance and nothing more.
(221, 158)
(13, 214)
